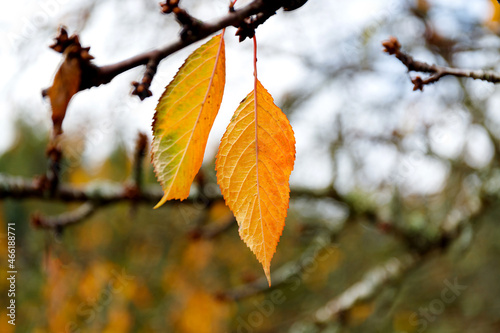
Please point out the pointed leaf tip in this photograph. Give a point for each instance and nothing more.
(184, 117)
(254, 163)
(161, 202)
(267, 271)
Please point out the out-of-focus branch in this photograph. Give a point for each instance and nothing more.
(283, 274)
(393, 47)
(212, 231)
(139, 154)
(329, 192)
(51, 180)
(103, 192)
(367, 288)
(395, 269)
(65, 219)
(296, 269)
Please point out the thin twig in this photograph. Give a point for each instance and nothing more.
(393, 47)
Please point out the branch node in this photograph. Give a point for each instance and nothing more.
(391, 45)
(248, 26)
(142, 89)
(418, 83)
(168, 6)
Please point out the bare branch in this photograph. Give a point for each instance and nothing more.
(284, 274)
(96, 76)
(54, 154)
(367, 288)
(102, 192)
(65, 219)
(212, 231)
(139, 154)
(393, 47)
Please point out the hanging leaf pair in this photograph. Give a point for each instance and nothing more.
(255, 157)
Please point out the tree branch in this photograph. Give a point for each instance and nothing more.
(284, 274)
(95, 76)
(104, 192)
(367, 288)
(65, 219)
(393, 47)
(139, 154)
(212, 231)
(395, 268)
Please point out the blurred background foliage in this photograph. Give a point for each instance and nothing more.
(406, 168)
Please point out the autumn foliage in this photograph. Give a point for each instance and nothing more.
(391, 221)
(256, 154)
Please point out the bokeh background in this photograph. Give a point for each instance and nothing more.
(404, 168)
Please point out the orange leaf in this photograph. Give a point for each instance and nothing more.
(494, 20)
(254, 163)
(184, 116)
(66, 84)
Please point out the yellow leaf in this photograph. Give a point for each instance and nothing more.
(254, 163)
(184, 116)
